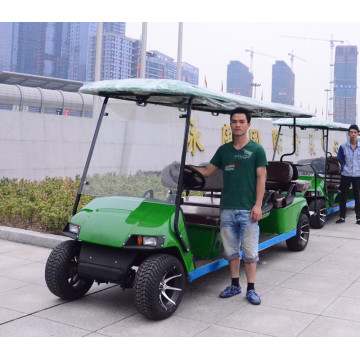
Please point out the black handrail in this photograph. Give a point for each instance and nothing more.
(181, 176)
(86, 168)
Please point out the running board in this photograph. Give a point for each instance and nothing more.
(337, 208)
(218, 264)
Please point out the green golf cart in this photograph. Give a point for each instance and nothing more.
(321, 173)
(150, 225)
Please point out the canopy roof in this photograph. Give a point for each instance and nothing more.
(312, 123)
(177, 94)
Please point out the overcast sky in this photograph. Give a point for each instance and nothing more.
(210, 47)
(217, 32)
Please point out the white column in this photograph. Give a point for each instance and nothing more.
(179, 55)
(98, 53)
(143, 50)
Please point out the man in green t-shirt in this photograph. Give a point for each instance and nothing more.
(243, 162)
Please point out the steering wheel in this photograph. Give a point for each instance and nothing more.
(193, 179)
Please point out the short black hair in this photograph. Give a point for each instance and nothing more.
(353, 127)
(241, 111)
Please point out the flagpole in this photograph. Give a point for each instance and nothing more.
(179, 55)
(143, 50)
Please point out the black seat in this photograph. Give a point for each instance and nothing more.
(279, 177)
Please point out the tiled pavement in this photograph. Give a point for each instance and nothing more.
(314, 293)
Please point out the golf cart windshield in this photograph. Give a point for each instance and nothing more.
(135, 144)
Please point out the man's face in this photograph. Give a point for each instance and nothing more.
(239, 124)
(353, 134)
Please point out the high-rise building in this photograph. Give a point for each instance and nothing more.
(239, 79)
(28, 54)
(189, 73)
(160, 66)
(6, 31)
(78, 49)
(283, 81)
(117, 53)
(345, 73)
(52, 49)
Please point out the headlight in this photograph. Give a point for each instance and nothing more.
(147, 240)
(74, 228)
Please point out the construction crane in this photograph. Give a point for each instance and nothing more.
(331, 41)
(292, 56)
(252, 52)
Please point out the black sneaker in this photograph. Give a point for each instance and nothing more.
(341, 220)
(358, 221)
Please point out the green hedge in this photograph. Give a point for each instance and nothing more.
(41, 206)
(47, 205)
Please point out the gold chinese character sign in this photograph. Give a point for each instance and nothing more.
(226, 134)
(254, 135)
(193, 140)
(311, 145)
(275, 134)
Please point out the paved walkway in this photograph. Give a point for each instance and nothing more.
(311, 293)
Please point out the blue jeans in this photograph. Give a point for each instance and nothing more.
(239, 232)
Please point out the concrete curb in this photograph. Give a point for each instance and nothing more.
(30, 237)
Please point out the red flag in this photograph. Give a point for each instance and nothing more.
(186, 79)
(139, 65)
(205, 82)
(163, 75)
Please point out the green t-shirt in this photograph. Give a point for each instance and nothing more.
(239, 174)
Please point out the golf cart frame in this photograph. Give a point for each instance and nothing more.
(157, 269)
(324, 173)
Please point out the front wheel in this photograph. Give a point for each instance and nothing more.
(300, 240)
(158, 287)
(61, 274)
(318, 219)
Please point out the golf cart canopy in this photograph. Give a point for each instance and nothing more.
(312, 123)
(178, 93)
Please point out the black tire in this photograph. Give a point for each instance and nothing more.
(318, 220)
(151, 297)
(300, 240)
(61, 272)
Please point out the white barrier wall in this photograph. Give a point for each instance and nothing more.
(34, 146)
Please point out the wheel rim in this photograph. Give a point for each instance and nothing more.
(169, 290)
(322, 215)
(304, 232)
(73, 276)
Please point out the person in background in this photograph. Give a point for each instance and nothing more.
(349, 153)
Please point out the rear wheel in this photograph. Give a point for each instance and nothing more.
(318, 219)
(159, 286)
(61, 274)
(300, 240)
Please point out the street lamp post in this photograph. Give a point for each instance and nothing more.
(255, 85)
(327, 102)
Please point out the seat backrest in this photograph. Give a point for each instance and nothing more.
(334, 166)
(280, 172)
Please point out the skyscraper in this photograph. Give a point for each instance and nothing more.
(6, 31)
(28, 54)
(283, 81)
(239, 79)
(118, 52)
(189, 73)
(52, 49)
(345, 73)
